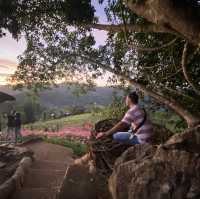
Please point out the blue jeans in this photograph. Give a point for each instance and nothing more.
(126, 137)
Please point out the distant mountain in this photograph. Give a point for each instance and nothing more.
(63, 96)
(9, 90)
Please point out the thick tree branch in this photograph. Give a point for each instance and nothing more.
(179, 16)
(173, 75)
(171, 103)
(176, 92)
(141, 49)
(187, 77)
(150, 28)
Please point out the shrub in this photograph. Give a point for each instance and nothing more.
(78, 148)
(115, 110)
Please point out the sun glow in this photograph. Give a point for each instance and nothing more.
(7, 68)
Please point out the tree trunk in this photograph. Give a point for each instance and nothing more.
(177, 15)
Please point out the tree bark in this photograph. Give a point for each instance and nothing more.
(150, 28)
(174, 15)
(187, 77)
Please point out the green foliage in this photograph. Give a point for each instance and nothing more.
(78, 11)
(8, 19)
(16, 15)
(169, 120)
(78, 148)
(115, 110)
(56, 50)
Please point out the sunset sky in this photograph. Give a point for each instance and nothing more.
(10, 49)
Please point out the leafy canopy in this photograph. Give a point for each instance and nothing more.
(61, 45)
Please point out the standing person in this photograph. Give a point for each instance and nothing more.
(10, 127)
(18, 127)
(0, 124)
(141, 128)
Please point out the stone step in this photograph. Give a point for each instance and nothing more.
(43, 178)
(47, 164)
(36, 193)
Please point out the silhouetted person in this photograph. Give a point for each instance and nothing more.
(10, 126)
(17, 126)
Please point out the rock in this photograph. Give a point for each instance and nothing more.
(15, 181)
(125, 166)
(77, 183)
(2, 164)
(169, 171)
(188, 141)
(9, 160)
(81, 181)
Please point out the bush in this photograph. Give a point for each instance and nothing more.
(115, 110)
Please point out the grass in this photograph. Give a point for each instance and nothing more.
(172, 121)
(78, 148)
(56, 124)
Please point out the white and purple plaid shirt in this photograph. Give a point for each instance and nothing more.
(134, 116)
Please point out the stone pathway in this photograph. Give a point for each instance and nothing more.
(47, 171)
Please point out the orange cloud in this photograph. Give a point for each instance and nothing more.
(7, 67)
(8, 63)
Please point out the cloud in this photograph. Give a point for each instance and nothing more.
(5, 74)
(4, 67)
(4, 79)
(8, 63)
(7, 67)
(100, 37)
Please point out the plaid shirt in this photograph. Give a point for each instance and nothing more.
(134, 116)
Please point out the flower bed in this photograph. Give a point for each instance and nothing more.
(66, 131)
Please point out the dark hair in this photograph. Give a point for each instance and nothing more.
(18, 115)
(134, 97)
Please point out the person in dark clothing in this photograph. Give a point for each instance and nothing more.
(10, 126)
(18, 126)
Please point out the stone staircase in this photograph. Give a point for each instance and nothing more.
(47, 172)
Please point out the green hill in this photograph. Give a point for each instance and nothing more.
(61, 96)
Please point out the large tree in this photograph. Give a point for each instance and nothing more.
(153, 44)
